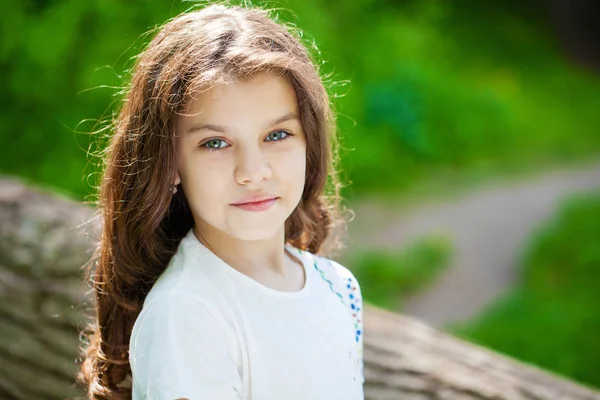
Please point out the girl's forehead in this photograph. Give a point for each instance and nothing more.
(260, 99)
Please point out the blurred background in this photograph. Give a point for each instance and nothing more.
(470, 135)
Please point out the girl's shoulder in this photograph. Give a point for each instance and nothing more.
(332, 270)
(340, 279)
(345, 286)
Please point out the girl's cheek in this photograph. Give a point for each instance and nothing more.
(291, 148)
(212, 158)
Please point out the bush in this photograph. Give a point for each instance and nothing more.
(552, 318)
(387, 277)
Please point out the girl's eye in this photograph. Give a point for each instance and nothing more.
(277, 136)
(213, 144)
(219, 144)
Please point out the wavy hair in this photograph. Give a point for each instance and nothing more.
(143, 222)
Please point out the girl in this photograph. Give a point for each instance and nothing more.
(207, 280)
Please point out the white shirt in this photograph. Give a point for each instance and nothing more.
(207, 331)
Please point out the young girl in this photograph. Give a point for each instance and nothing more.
(207, 280)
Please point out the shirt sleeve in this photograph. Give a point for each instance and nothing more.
(354, 296)
(355, 303)
(183, 348)
(359, 328)
(346, 286)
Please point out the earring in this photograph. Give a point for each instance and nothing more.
(173, 189)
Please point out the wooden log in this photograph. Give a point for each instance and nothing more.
(44, 242)
(43, 247)
(407, 359)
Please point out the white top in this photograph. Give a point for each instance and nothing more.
(207, 331)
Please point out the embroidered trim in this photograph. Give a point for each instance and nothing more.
(355, 305)
(322, 273)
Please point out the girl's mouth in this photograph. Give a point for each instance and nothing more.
(257, 206)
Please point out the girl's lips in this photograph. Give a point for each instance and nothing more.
(257, 206)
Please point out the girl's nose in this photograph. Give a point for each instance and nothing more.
(252, 166)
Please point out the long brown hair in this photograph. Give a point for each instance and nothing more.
(143, 222)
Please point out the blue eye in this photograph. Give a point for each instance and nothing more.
(217, 144)
(278, 136)
(213, 144)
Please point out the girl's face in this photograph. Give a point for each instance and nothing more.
(237, 140)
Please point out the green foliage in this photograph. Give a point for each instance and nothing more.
(436, 87)
(442, 89)
(552, 318)
(62, 63)
(388, 277)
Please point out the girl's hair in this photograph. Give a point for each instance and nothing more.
(143, 222)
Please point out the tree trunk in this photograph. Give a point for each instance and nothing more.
(406, 359)
(45, 239)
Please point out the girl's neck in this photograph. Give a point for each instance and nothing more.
(260, 259)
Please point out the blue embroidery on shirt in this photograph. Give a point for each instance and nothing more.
(355, 301)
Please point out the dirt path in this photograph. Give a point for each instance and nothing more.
(487, 227)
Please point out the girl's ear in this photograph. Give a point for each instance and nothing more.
(177, 179)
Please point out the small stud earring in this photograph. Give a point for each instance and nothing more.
(173, 189)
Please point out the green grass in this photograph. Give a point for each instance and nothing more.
(552, 319)
(388, 277)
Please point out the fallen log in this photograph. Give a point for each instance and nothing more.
(45, 239)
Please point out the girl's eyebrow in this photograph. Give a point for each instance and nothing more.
(218, 128)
